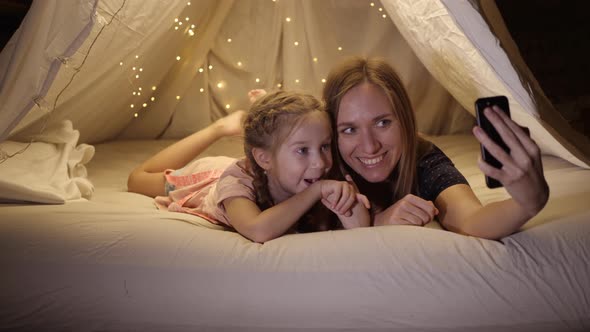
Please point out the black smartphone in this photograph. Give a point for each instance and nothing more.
(486, 125)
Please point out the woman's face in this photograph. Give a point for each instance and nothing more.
(369, 135)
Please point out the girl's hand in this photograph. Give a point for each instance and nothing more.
(522, 168)
(338, 196)
(410, 210)
(253, 95)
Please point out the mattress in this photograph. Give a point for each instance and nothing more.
(116, 263)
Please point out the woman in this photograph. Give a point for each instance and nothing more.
(409, 180)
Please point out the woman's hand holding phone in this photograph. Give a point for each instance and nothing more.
(521, 172)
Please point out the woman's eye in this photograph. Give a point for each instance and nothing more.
(383, 123)
(348, 131)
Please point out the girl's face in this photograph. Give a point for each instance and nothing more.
(303, 158)
(369, 135)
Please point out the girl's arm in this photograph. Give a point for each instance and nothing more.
(261, 226)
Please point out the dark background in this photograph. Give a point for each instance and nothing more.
(553, 37)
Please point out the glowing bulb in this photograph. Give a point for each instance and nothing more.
(315, 59)
(140, 69)
(384, 16)
(176, 19)
(178, 58)
(139, 89)
(257, 80)
(380, 9)
(131, 105)
(192, 26)
(180, 23)
(154, 88)
(134, 68)
(201, 90)
(186, 18)
(239, 63)
(339, 48)
(134, 93)
(135, 115)
(136, 76)
(120, 63)
(296, 43)
(297, 81)
(220, 85)
(144, 105)
(323, 80)
(137, 56)
(200, 70)
(229, 40)
(191, 32)
(288, 19)
(153, 98)
(175, 28)
(227, 106)
(177, 97)
(188, 3)
(139, 93)
(210, 67)
(372, 4)
(279, 85)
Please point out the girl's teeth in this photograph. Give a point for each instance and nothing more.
(371, 161)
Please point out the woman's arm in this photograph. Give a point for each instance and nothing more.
(521, 174)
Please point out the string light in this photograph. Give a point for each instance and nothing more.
(137, 76)
(372, 4)
(176, 20)
(137, 56)
(296, 43)
(257, 80)
(188, 3)
(297, 81)
(315, 59)
(140, 69)
(339, 48)
(187, 19)
(139, 89)
(153, 98)
(323, 80)
(201, 90)
(132, 106)
(200, 70)
(193, 26)
(191, 32)
(121, 63)
(380, 9)
(220, 85)
(177, 97)
(154, 88)
(229, 40)
(134, 93)
(210, 67)
(135, 115)
(134, 68)
(384, 16)
(239, 63)
(179, 22)
(227, 106)
(279, 85)
(178, 58)
(288, 19)
(175, 28)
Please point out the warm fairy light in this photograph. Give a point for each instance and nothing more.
(296, 43)
(220, 85)
(339, 48)
(227, 106)
(137, 56)
(137, 76)
(175, 28)
(279, 85)
(140, 69)
(139, 93)
(154, 88)
(178, 58)
(315, 59)
(176, 20)
(239, 63)
(229, 40)
(210, 67)
(323, 80)
(180, 23)
(288, 19)
(380, 9)
(384, 16)
(186, 18)
(193, 26)
(134, 68)
(257, 80)
(372, 4)
(297, 81)
(177, 97)
(139, 89)
(200, 70)
(131, 105)
(134, 93)
(144, 105)
(188, 3)
(191, 32)
(120, 63)
(153, 98)
(201, 90)
(135, 115)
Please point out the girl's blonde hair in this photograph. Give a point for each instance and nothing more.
(269, 122)
(378, 72)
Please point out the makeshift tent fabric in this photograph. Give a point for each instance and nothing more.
(127, 77)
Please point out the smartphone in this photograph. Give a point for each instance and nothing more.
(486, 125)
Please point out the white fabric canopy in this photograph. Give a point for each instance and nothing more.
(148, 69)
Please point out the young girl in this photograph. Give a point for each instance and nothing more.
(287, 144)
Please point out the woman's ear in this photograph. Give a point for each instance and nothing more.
(263, 158)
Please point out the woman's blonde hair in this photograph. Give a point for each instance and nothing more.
(269, 122)
(378, 72)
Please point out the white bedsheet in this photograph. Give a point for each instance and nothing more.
(115, 263)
